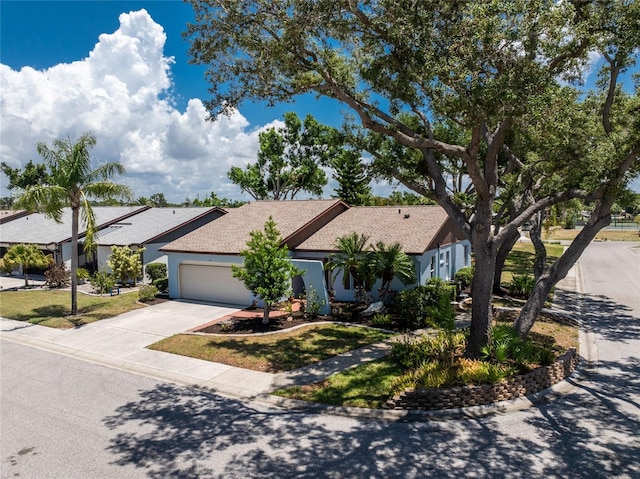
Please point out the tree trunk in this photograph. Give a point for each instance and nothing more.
(540, 261)
(74, 259)
(482, 284)
(600, 218)
(265, 315)
(26, 278)
(501, 258)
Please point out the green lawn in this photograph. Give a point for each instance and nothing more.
(520, 260)
(51, 308)
(368, 385)
(273, 352)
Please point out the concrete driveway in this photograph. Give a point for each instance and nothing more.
(121, 342)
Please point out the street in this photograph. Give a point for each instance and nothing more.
(65, 418)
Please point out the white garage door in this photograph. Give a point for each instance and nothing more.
(212, 283)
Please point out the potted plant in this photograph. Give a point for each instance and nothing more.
(82, 275)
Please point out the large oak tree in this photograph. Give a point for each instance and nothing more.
(500, 70)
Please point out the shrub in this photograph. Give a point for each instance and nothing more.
(507, 346)
(313, 303)
(411, 354)
(125, 263)
(102, 282)
(522, 285)
(57, 276)
(464, 276)
(162, 284)
(382, 320)
(147, 293)
(82, 274)
(156, 271)
(427, 305)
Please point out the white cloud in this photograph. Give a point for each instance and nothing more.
(121, 92)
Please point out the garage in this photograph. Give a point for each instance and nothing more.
(213, 283)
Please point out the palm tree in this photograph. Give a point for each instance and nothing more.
(71, 183)
(353, 259)
(391, 262)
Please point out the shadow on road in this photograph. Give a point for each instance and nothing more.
(173, 431)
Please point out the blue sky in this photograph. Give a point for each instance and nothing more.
(42, 34)
(121, 69)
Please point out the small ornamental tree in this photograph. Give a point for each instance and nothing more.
(125, 263)
(27, 256)
(267, 269)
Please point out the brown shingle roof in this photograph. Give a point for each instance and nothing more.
(230, 233)
(414, 227)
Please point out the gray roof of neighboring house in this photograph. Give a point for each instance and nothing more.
(36, 228)
(230, 233)
(149, 224)
(10, 215)
(414, 227)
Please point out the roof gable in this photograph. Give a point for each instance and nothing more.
(296, 220)
(414, 227)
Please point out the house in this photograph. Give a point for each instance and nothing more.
(199, 263)
(10, 215)
(426, 234)
(55, 238)
(151, 229)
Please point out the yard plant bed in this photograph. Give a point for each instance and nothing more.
(250, 322)
(373, 384)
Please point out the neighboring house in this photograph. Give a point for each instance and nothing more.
(55, 238)
(199, 263)
(10, 215)
(151, 229)
(426, 234)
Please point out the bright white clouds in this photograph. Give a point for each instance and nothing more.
(120, 93)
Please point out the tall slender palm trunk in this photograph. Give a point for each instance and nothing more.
(75, 213)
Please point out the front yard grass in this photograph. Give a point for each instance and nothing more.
(273, 353)
(52, 308)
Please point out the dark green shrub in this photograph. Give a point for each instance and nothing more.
(156, 271)
(427, 305)
(506, 345)
(162, 284)
(147, 293)
(57, 276)
(464, 276)
(522, 285)
(102, 282)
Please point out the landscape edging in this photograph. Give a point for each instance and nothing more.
(485, 394)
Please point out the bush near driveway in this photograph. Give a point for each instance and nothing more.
(51, 308)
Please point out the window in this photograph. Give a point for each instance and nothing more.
(432, 267)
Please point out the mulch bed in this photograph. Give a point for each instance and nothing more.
(244, 325)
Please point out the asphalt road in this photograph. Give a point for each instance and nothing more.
(63, 418)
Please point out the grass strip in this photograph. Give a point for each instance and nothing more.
(52, 308)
